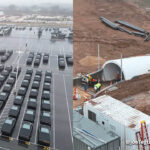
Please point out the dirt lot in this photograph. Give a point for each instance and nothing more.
(135, 93)
(83, 97)
(89, 31)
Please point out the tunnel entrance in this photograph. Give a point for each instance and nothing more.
(111, 71)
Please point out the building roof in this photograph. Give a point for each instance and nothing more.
(89, 132)
(118, 111)
(131, 67)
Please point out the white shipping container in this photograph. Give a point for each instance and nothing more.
(118, 117)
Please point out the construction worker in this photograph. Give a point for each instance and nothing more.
(97, 87)
(85, 83)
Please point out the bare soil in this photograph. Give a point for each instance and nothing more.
(89, 31)
(137, 89)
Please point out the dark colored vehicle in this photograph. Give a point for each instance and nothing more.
(29, 71)
(46, 86)
(2, 78)
(61, 64)
(38, 72)
(4, 58)
(46, 54)
(46, 95)
(8, 126)
(48, 73)
(38, 53)
(45, 105)
(7, 88)
(3, 96)
(10, 52)
(11, 81)
(47, 79)
(37, 62)
(35, 84)
(70, 61)
(25, 131)
(34, 93)
(31, 56)
(27, 77)
(45, 59)
(14, 111)
(22, 91)
(44, 135)
(45, 118)
(9, 68)
(60, 56)
(37, 78)
(1, 104)
(17, 69)
(25, 83)
(5, 73)
(1, 67)
(13, 75)
(31, 53)
(29, 115)
(2, 52)
(68, 56)
(32, 103)
(18, 100)
(29, 61)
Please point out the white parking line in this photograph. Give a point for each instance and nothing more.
(4, 148)
(68, 109)
(53, 114)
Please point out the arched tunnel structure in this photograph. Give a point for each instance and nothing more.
(131, 67)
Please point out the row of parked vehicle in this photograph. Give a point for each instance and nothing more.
(6, 55)
(29, 117)
(38, 58)
(9, 124)
(45, 117)
(4, 75)
(61, 61)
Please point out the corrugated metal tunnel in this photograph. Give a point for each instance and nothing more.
(111, 71)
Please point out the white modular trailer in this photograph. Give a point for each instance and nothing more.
(117, 117)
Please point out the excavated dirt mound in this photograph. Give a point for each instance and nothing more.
(90, 61)
(135, 93)
(89, 31)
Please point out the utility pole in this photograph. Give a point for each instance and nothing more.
(98, 57)
(121, 67)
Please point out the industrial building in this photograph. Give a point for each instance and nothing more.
(88, 135)
(117, 117)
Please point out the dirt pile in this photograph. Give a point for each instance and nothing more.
(89, 31)
(135, 93)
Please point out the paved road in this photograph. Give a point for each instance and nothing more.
(62, 124)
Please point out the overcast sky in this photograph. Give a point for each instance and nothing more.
(31, 2)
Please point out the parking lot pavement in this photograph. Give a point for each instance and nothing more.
(61, 94)
(62, 116)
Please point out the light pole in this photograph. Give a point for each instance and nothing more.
(121, 67)
(98, 57)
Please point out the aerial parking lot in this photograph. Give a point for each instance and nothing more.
(36, 89)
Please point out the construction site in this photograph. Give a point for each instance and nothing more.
(111, 73)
